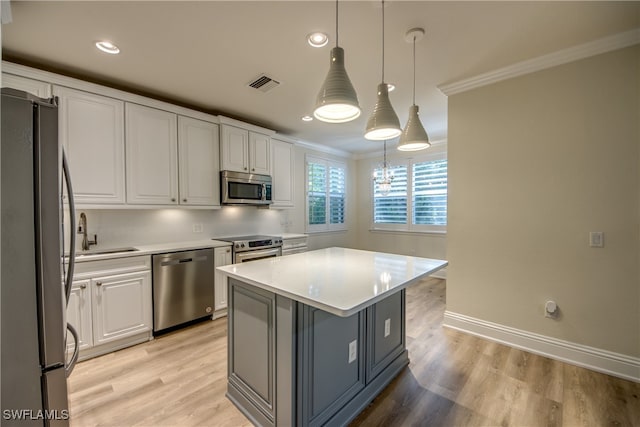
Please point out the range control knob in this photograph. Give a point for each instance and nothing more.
(242, 245)
(237, 245)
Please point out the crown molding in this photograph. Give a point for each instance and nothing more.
(595, 47)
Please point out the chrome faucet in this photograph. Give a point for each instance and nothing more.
(82, 229)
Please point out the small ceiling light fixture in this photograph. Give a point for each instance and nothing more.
(318, 39)
(414, 137)
(383, 123)
(337, 101)
(108, 47)
(307, 118)
(383, 177)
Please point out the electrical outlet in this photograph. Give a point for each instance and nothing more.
(197, 228)
(353, 351)
(387, 328)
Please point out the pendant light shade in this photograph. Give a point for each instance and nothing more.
(383, 123)
(337, 101)
(414, 137)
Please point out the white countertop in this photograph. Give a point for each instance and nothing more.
(337, 280)
(154, 249)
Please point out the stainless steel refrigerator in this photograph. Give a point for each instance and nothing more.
(36, 279)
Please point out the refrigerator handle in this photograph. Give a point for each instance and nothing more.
(72, 229)
(76, 350)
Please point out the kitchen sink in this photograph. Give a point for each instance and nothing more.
(106, 251)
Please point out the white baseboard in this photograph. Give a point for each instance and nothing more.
(616, 364)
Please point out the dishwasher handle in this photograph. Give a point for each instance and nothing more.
(183, 260)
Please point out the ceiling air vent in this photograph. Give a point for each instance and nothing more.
(264, 83)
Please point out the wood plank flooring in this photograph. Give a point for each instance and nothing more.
(454, 379)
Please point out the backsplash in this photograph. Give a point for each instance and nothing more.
(126, 227)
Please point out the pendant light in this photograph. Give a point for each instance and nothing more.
(337, 101)
(383, 123)
(414, 137)
(385, 178)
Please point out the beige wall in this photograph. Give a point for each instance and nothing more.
(428, 245)
(536, 163)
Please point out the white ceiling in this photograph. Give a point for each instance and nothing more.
(204, 53)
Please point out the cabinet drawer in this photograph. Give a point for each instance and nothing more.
(111, 266)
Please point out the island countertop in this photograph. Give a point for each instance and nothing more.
(340, 281)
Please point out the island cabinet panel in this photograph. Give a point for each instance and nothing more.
(294, 364)
(252, 347)
(331, 363)
(386, 333)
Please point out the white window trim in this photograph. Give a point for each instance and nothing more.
(324, 228)
(408, 227)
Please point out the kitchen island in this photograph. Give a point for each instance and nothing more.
(314, 337)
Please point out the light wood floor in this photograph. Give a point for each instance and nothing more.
(454, 379)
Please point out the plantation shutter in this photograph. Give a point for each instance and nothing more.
(317, 177)
(430, 193)
(392, 208)
(336, 194)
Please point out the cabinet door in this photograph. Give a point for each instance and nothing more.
(386, 333)
(259, 153)
(91, 128)
(222, 256)
(34, 87)
(282, 173)
(234, 149)
(121, 306)
(199, 162)
(152, 156)
(79, 314)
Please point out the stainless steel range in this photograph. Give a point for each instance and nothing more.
(252, 248)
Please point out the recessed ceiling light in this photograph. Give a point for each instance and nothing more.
(318, 39)
(391, 87)
(107, 47)
(307, 118)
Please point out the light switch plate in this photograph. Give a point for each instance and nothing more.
(596, 239)
(387, 328)
(353, 351)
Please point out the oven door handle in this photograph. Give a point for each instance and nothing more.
(262, 253)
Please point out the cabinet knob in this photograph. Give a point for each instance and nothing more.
(98, 283)
(173, 199)
(83, 286)
(253, 169)
(228, 250)
(245, 168)
(184, 200)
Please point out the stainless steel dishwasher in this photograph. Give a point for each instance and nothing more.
(182, 287)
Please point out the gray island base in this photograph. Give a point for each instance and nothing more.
(293, 364)
(314, 337)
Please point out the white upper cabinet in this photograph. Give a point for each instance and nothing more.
(245, 151)
(34, 87)
(234, 149)
(152, 151)
(91, 129)
(282, 173)
(259, 154)
(199, 159)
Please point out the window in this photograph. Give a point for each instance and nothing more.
(418, 197)
(326, 195)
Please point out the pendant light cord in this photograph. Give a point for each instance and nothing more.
(382, 41)
(414, 70)
(336, 23)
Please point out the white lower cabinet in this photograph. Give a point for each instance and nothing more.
(121, 306)
(110, 304)
(222, 256)
(79, 313)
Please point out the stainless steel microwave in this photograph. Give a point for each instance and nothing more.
(239, 188)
